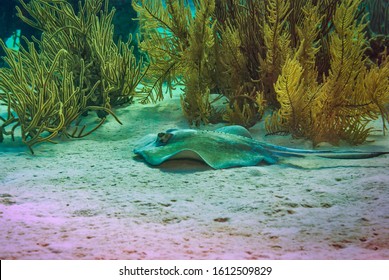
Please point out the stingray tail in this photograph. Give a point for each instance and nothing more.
(291, 152)
(353, 155)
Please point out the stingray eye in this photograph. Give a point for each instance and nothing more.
(163, 138)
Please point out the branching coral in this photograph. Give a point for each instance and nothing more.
(32, 91)
(78, 68)
(165, 36)
(180, 49)
(304, 59)
(240, 50)
(277, 42)
(198, 65)
(351, 95)
(87, 36)
(290, 94)
(204, 55)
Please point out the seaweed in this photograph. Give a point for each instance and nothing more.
(277, 42)
(164, 38)
(198, 65)
(200, 53)
(240, 47)
(180, 50)
(305, 60)
(340, 107)
(76, 68)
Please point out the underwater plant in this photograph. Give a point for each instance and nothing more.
(77, 68)
(180, 50)
(342, 105)
(305, 60)
(232, 50)
(189, 50)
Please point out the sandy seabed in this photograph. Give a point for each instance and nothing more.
(92, 199)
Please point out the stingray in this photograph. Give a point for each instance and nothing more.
(230, 146)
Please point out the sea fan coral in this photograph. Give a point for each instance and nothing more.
(77, 68)
(340, 107)
(304, 59)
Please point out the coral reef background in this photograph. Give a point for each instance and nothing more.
(313, 69)
(9, 22)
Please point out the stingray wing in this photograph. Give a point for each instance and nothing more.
(218, 150)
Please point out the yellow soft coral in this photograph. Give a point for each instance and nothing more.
(341, 107)
(277, 43)
(290, 94)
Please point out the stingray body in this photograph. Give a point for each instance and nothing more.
(230, 146)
